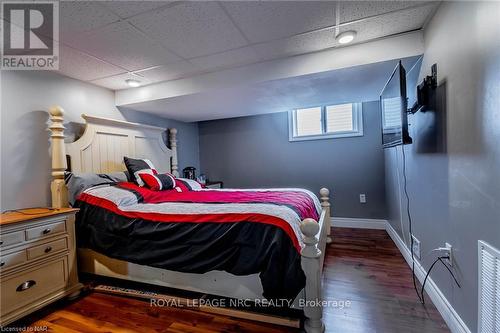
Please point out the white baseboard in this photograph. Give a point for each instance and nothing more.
(348, 222)
(450, 316)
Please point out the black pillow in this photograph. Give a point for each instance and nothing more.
(135, 166)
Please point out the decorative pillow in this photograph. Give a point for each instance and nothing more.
(136, 166)
(158, 182)
(185, 184)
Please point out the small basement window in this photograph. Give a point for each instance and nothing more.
(325, 122)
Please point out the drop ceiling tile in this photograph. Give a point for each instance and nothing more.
(117, 82)
(192, 29)
(81, 16)
(389, 24)
(126, 9)
(242, 56)
(354, 10)
(265, 20)
(173, 71)
(84, 67)
(121, 44)
(306, 43)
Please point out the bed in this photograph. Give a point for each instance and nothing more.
(300, 231)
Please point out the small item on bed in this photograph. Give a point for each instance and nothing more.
(158, 182)
(136, 166)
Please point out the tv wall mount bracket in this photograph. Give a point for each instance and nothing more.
(423, 91)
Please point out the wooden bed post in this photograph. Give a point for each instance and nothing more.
(325, 204)
(57, 186)
(173, 147)
(311, 257)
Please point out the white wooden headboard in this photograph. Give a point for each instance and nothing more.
(102, 147)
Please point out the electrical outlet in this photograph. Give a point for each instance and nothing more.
(416, 247)
(362, 198)
(449, 250)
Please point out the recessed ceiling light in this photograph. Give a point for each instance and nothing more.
(133, 83)
(346, 37)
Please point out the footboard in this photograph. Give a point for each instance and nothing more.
(316, 236)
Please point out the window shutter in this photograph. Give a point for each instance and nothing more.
(308, 121)
(339, 118)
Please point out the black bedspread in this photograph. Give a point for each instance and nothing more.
(240, 248)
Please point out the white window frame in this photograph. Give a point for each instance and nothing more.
(357, 122)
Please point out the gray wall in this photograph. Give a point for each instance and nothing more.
(25, 162)
(455, 193)
(255, 152)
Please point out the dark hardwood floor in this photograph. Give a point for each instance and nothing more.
(364, 272)
(365, 267)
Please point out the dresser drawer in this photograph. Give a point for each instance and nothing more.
(13, 259)
(29, 286)
(47, 248)
(12, 238)
(46, 230)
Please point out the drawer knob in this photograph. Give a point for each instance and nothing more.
(25, 285)
(48, 249)
(46, 231)
(2, 263)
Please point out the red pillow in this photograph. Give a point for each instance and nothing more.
(158, 182)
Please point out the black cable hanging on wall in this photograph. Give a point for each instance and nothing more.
(421, 294)
(420, 298)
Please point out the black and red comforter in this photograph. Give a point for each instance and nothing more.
(242, 232)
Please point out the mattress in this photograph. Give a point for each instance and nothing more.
(241, 232)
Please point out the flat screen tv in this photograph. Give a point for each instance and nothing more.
(393, 102)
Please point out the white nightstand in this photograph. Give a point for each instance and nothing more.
(37, 260)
